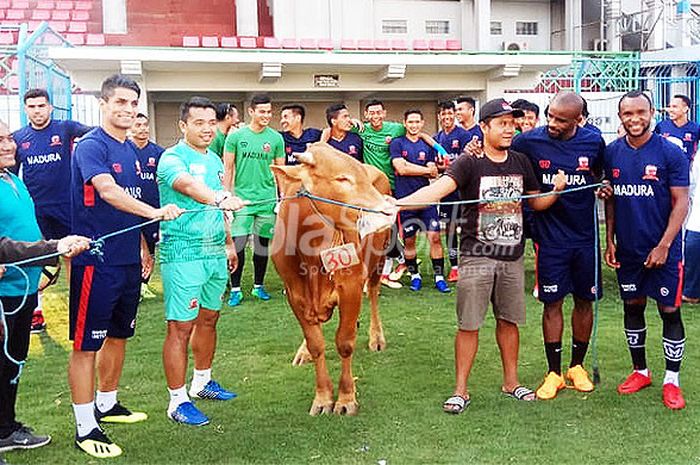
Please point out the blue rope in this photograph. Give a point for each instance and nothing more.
(3, 320)
(596, 301)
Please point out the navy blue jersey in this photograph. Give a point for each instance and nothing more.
(293, 145)
(475, 131)
(418, 153)
(642, 179)
(43, 158)
(454, 143)
(592, 127)
(351, 144)
(99, 153)
(688, 135)
(148, 158)
(569, 223)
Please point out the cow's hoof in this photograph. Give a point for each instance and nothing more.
(321, 407)
(346, 408)
(377, 344)
(302, 356)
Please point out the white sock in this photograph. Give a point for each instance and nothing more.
(38, 302)
(256, 286)
(177, 396)
(235, 289)
(455, 268)
(85, 418)
(105, 400)
(416, 276)
(387, 267)
(644, 372)
(671, 378)
(439, 277)
(401, 260)
(200, 378)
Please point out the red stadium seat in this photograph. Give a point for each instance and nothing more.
(7, 38)
(248, 42)
(420, 44)
(229, 42)
(308, 44)
(41, 15)
(290, 43)
(15, 15)
(190, 41)
(271, 42)
(44, 5)
(399, 44)
(210, 41)
(20, 4)
(454, 45)
(13, 82)
(437, 44)
(94, 39)
(86, 6)
(58, 26)
(80, 15)
(64, 5)
(60, 15)
(382, 44)
(4, 4)
(348, 44)
(75, 39)
(365, 44)
(2, 14)
(326, 44)
(33, 25)
(77, 26)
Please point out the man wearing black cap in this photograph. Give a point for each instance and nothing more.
(492, 244)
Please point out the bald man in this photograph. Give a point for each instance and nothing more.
(565, 235)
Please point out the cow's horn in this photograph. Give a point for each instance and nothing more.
(307, 158)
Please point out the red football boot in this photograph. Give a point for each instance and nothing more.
(673, 397)
(634, 382)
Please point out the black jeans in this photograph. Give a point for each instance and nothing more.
(18, 332)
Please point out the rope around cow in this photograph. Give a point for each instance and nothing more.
(96, 246)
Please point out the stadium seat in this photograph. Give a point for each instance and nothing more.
(86, 6)
(58, 26)
(77, 26)
(94, 39)
(41, 15)
(2, 14)
(59, 15)
(13, 82)
(290, 43)
(7, 38)
(44, 5)
(4, 4)
(229, 42)
(454, 45)
(271, 42)
(420, 44)
(326, 44)
(248, 42)
(20, 4)
(190, 41)
(399, 44)
(64, 5)
(33, 25)
(80, 15)
(210, 41)
(365, 44)
(348, 44)
(437, 44)
(382, 44)
(15, 15)
(75, 38)
(308, 44)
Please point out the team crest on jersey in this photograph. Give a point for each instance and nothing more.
(244, 144)
(288, 149)
(650, 173)
(387, 139)
(55, 140)
(666, 134)
(545, 164)
(266, 147)
(151, 161)
(26, 145)
(404, 153)
(352, 150)
(688, 136)
(421, 156)
(117, 167)
(616, 173)
(194, 303)
(455, 143)
(583, 164)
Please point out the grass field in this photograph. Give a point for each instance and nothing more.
(400, 392)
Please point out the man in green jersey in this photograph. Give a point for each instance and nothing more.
(248, 154)
(193, 254)
(226, 121)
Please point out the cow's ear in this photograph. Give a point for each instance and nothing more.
(378, 179)
(287, 176)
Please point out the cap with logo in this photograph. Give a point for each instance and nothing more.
(498, 107)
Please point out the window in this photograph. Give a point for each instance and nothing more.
(526, 28)
(496, 28)
(437, 27)
(394, 26)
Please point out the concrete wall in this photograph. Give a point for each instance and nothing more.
(416, 13)
(512, 11)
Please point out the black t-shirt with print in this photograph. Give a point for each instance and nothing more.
(493, 229)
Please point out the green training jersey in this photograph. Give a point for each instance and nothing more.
(255, 152)
(192, 236)
(217, 144)
(376, 146)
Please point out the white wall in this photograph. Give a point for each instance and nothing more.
(309, 19)
(509, 12)
(416, 12)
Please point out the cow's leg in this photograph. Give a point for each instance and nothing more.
(323, 402)
(303, 355)
(376, 332)
(345, 337)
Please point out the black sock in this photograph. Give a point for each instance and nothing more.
(452, 248)
(260, 259)
(636, 332)
(673, 339)
(412, 265)
(578, 352)
(239, 242)
(438, 266)
(553, 352)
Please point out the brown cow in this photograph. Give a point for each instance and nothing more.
(307, 227)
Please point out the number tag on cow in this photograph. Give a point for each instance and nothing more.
(340, 257)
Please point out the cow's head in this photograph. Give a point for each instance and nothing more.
(326, 172)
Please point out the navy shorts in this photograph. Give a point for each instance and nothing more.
(414, 221)
(151, 233)
(53, 223)
(564, 271)
(449, 212)
(663, 284)
(103, 302)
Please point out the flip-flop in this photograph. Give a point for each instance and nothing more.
(520, 393)
(456, 404)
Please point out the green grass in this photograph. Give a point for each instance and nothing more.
(400, 392)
